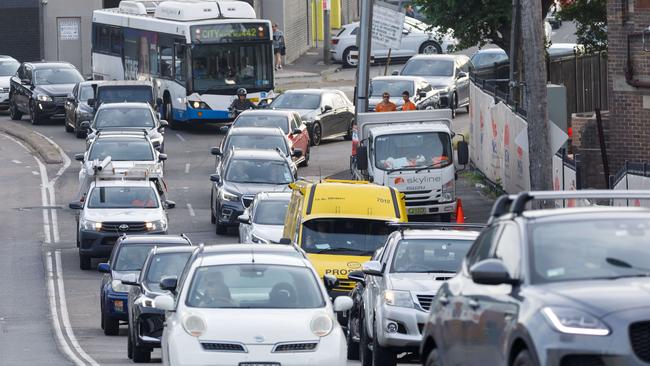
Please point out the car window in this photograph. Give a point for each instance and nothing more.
(428, 67)
(354, 31)
(257, 120)
(296, 101)
(257, 142)
(328, 99)
(270, 212)
(429, 255)
(117, 94)
(121, 150)
(131, 257)
(295, 122)
(259, 171)
(86, 93)
(464, 65)
(482, 246)
(8, 67)
(123, 197)
(124, 118)
(56, 75)
(165, 265)
(509, 249)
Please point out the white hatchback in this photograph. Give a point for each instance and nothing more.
(417, 37)
(251, 308)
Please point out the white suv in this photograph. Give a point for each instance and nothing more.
(251, 307)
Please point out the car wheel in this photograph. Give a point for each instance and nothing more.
(430, 48)
(33, 115)
(111, 326)
(68, 128)
(305, 161)
(353, 347)
(365, 354)
(524, 359)
(129, 345)
(78, 133)
(348, 135)
(433, 359)
(316, 134)
(213, 219)
(14, 113)
(84, 262)
(347, 59)
(452, 105)
(141, 354)
(382, 356)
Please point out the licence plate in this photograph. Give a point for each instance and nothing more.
(259, 364)
(417, 211)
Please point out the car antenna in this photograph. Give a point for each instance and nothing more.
(252, 255)
(320, 174)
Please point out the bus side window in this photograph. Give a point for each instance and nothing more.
(166, 58)
(179, 62)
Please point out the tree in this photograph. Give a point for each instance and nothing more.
(591, 21)
(474, 22)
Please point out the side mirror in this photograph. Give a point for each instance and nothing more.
(462, 152)
(169, 204)
(461, 75)
(104, 268)
(215, 178)
(224, 129)
(372, 268)
(164, 302)
(244, 219)
(130, 280)
(356, 276)
(169, 283)
(395, 73)
(296, 131)
(405, 31)
(162, 157)
(215, 151)
(25, 81)
(362, 158)
(422, 94)
(163, 123)
(91, 102)
(491, 272)
(285, 241)
(330, 282)
(84, 125)
(327, 108)
(296, 153)
(343, 303)
(79, 157)
(76, 205)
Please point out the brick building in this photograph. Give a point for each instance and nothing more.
(629, 94)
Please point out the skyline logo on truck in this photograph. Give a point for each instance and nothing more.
(415, 180)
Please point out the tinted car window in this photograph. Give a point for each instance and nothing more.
(297, 101)
(257, 142)
(429, 255)
(52, 76)
(509, 250)
(262, 121)
(259, 171)
(117, 94)
(131, 257)
(164, 265)
(429, 68)
(482, 246)
(349, 236)
(270, 212)
(8, 68)
(393, 87)
(121, 150)
(123, 197)
(124, 117)
(86, 93)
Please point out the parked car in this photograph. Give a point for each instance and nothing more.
(41, 89)
(447, 74)
(327, 113)
(113, 208)
(263, 220)
(565, 286)
(421, 93)
(289, 122)
(145, 322)
(251, 308)
(417, 37)
(259, 138)
(127, 117)
(8, 68)
(558, 50)
(77, 108)
(395, 289)
(241, 175)
(127, 257)
(487, 57)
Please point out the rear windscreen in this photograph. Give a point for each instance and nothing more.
(119, 94)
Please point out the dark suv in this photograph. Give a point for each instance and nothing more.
(41, 89)
(561, 287)
(124, 91)
(240, 176)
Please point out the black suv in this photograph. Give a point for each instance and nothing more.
(41, 89)
(240, 176)
(124, 91)
(145, 322)
(565, 286)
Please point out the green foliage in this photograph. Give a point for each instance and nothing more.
(591, 22)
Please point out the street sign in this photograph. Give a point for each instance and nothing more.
(387, 26)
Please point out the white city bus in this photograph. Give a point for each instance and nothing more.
(197, 53)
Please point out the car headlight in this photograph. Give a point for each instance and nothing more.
(118, 286)
(447, 194)
(225, 195)
(44, 98)
(258, 240)
(401, 299)
(321, 325)
(194, 325)
(159, 225)
(574, 321)
(90, 225)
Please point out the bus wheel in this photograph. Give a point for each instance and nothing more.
(169, 114)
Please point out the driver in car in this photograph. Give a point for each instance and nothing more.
(216, 293)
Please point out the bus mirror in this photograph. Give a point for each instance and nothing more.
(285, 241)
(362, 158)
(462, 152)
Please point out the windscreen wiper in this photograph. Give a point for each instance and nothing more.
(338, 250)
(434, 165)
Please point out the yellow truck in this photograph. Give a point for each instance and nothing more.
(341, 223)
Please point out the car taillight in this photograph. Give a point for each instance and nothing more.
(335, 41)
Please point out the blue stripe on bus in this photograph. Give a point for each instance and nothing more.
(193, 114)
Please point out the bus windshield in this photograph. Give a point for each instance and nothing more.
(223, 68)
(344, 236)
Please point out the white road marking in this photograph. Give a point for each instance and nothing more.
(180, 137)
(46, 217)
(16, 161)
(191, 210)
(187, 168)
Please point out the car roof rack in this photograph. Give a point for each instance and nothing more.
(118, 132)
(401, 226)
(518, 205)
(501, 206)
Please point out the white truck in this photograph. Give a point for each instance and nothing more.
(412, 152)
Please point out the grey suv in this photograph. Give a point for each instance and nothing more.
(561, 287)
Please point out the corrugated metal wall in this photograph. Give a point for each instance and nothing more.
(19, 27)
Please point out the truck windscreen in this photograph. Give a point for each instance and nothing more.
(343, 236)
(412, 151)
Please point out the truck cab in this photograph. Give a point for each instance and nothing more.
(339, 224)
(413, 153)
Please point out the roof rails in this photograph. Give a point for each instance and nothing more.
(517, 204)
(118, 132)
(401, 226)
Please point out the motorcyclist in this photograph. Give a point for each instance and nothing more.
(241, 103)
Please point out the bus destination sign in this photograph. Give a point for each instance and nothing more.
(218, 33)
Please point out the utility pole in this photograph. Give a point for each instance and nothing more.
(326, 32)
(365, 37)
(539, 151)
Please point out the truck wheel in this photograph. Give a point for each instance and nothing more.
(84, 262)
(445, 217)
(111, 326)
(382, 356)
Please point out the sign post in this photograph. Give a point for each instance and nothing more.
(326, 32)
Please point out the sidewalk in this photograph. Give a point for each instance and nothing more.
(309, 67)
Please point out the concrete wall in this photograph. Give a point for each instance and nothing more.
(82, 9)
(291, 17)
(19, 40)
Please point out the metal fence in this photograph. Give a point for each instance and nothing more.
(630, 168)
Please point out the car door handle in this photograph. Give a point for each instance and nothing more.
(473, 303)
(443, 300)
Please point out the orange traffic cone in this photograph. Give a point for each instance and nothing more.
(460, 215)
